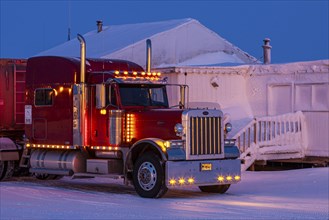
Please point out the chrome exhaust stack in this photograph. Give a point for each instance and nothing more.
(148, 55)
(83, 89)
(82, 58)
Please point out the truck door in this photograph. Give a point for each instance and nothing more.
(100, 118)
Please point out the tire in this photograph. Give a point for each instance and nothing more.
(215, 189)
(6, 169)
(149, 177)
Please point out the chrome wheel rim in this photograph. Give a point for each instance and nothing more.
(147, 176)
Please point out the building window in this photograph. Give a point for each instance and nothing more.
(44, 97)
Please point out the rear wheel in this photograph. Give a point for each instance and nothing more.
(40, 176)
(6, 169)
(215, 189)
(148, 176)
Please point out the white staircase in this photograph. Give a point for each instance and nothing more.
(272, 138)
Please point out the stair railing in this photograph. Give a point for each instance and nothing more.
(286, 130)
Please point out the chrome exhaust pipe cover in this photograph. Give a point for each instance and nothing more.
(83, 96)
(148, 55)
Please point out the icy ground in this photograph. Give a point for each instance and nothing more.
(294, 194)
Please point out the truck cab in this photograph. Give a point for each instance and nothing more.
(88, 118)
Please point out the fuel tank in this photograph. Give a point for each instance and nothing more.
(59, 160)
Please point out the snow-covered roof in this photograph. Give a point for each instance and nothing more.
(183, 42)
(316, 66)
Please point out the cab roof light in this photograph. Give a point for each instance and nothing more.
(125, 75)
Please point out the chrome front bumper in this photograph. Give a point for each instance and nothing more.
(202, 172)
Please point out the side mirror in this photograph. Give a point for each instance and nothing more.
(100, 96)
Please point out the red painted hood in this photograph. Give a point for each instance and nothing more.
(157, 123)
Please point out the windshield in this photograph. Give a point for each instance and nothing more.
(143, 95)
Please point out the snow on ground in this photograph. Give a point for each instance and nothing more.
(294, 194)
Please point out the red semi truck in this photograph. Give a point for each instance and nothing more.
(109, 118)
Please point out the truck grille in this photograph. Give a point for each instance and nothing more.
(205, 135)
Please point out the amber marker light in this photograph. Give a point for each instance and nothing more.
(135, 73)
(158, 74)
(103, 111)
(143, 73)
(116, 72)
(190, 180)
(237, 177)
(181, 181)
(229, 178)
(125, 72)
(172, 182)
(220, 178)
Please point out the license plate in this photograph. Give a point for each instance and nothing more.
(206, 166)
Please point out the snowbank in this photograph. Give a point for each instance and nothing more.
(294, 194)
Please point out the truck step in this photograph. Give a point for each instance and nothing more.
(25, 159)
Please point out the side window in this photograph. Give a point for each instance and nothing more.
(44, 97)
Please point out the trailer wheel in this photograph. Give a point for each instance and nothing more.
(40, 176)
(148, 176)
(6, 169)
(215, 189)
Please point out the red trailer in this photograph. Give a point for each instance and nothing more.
(12, 102)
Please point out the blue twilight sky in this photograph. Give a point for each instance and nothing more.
(298, 29)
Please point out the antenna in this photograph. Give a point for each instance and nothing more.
(69, 20)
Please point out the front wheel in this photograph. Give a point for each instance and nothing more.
(148, 176)
(215, 189)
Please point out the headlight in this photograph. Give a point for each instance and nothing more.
(228, 127)
(179, 129)
(174, 144)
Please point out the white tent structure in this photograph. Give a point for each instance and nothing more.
(183, 42)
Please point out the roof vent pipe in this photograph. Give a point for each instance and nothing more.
(99, 26)
(267, 51)
(148, 55)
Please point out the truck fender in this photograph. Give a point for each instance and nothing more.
(8, 150)
(144, 145)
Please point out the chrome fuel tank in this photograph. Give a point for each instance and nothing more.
(58, 160)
